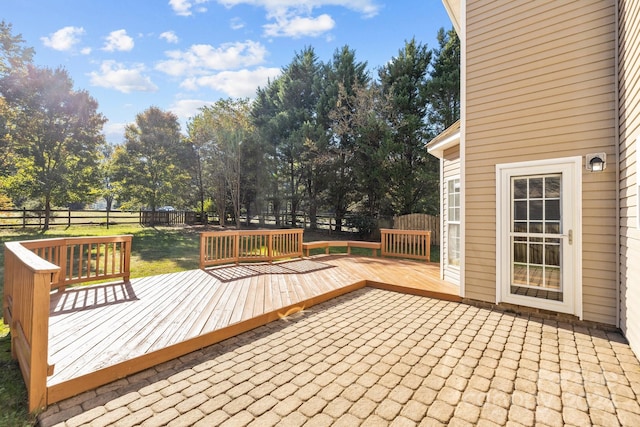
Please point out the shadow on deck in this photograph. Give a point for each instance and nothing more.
(101, 333)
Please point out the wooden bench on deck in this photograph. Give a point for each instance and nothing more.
(326, 244)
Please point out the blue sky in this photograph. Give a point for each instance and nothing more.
(182, 54)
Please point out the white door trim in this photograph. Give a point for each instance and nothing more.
(571, 168)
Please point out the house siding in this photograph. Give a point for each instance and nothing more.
(629, 124)
(540, 84)
(451, 169)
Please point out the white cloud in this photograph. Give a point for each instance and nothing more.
(169, 36)
(64, 39)
(183, 7)
(187, 108)
(113, 75)
(368, 8)
(202, 58)
(294, 18)
(118, 41)
(237, 23)
(114, 132)
(297, 27)
(236, 84)
(85, 51)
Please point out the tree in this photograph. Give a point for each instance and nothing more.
(221, 131)
(14, 57)
(344, 78)
(56, 132)
(106, 170)
(285, 116)
(150, 168)
(443, 88)
(371, 153)
(413, 173)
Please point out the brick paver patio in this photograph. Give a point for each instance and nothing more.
(376, 357)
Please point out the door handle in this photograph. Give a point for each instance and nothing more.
(569, 236)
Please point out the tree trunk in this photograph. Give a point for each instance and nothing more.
(313, 214)
(47, 212)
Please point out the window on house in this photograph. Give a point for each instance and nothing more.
(453, 222)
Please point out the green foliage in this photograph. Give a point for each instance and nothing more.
(345, 77)
(55, 132)
(443, 88)
(220, 138)
(364, 223)
(149, 169)
(414, 176)
(285, 116)
(13, 55)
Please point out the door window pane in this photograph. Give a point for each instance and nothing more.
(536, 245)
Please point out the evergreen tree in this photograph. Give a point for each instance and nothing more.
(414, 174)
(443, 89)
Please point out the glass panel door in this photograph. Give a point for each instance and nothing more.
(536, 236)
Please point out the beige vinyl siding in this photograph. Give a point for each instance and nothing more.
(541, 85)
(451, 169)
(629, 121)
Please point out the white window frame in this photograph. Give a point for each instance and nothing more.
(458, 222)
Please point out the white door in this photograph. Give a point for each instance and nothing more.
(539, 234)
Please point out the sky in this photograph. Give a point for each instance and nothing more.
(180, 55)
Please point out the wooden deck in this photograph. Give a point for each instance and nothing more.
(100, 333)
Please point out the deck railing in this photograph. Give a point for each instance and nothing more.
(223, 247)
(32, 270)
(85, 259)
(415, 244)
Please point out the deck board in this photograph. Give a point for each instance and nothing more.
(93, 330)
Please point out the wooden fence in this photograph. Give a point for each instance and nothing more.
(169, 218)
(223, 247)
(417, 221)
(32, 269)
(34, 218)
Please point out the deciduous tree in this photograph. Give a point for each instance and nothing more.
(150, 166)
(56, 132)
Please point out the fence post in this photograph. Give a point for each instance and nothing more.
(24, 217)
(69, 218)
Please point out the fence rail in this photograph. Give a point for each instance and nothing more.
(223, 247)
(31, 270)
(415, 244)
(34, 218)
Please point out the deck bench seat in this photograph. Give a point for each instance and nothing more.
(307, 246)
(374, 246)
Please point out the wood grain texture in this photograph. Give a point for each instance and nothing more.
(100, 333)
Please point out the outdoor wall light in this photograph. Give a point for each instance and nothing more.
(596, 162)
